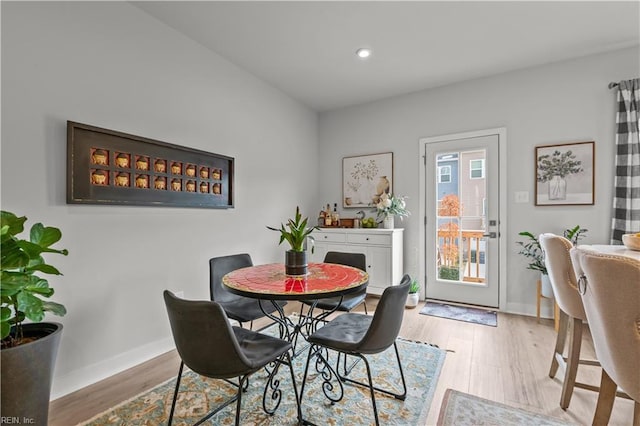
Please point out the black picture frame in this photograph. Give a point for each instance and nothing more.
(110, 167)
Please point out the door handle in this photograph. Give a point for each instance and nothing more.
(491, 235)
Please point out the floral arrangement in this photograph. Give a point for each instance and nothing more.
(390, 205)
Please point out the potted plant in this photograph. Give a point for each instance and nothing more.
(414, 294)
(28, 350)
(532, 250)
(390, 206)
(296, 233)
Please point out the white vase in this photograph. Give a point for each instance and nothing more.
(388, 222)
(412, 300)
(557, 188)
(545, 289)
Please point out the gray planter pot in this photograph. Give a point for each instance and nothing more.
(27, 373)
(295, 262)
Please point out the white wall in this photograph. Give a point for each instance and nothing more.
(110, 65)
(556, 103)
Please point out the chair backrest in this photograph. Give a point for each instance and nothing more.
(561, 274)
(611, 298)
(204, 337)
(387, 319)
(218, 268)
(357, 260)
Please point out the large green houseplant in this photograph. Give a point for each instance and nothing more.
(296, 233)
(28, 350)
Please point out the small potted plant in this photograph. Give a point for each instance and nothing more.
(414, 294)
(28, 350)
(296, 233)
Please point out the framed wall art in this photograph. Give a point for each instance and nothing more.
(565, 174)
(109, 167)
(365, 178)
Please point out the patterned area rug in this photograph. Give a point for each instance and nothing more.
(462, 409)
(421, 365)
(461, 313)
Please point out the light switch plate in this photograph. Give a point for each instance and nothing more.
(522, 196)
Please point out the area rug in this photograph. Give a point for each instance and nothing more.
(462, 409)
(460, 313)
(421, 364)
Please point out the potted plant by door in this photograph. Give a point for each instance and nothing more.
(414, 294)
(532, 250)
(28, 351)
(296, 233)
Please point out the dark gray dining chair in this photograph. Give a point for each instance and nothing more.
(345, 303)
(360, 335)
(239, 308)
(211, 347)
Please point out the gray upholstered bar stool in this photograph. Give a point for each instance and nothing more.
(610, 289)
(565, 290)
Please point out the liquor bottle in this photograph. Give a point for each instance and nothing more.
(335, 217)
(327, 216)
(321, 217)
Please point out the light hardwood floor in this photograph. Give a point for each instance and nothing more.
(508, 363)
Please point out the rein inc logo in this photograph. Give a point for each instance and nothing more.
(6, 420)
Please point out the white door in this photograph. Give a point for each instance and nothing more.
(462, 223)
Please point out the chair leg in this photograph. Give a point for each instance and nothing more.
(605, 400)
(371, 390)
(401, 396)
(560, 344)
(175, 394)
(365, 308)
(573, 359)
(239, 400)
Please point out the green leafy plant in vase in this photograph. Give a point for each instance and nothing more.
(531, 249)
(28, 350)
(296, 233)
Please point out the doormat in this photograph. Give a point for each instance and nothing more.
(421, 363)
(462, 409)
(461, 313)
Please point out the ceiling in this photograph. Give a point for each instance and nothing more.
(307, 48)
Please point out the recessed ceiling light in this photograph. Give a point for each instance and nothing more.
(363, 52)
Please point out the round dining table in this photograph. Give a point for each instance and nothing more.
(270, 282)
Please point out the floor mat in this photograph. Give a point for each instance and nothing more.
(461, 313)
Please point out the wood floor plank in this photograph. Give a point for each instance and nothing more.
(508, 363)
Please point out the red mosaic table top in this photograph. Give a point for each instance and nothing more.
(323, 280)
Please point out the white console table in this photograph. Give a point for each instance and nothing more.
(381, 247)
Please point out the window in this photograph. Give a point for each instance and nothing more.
(476, 168)
(444, 174)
